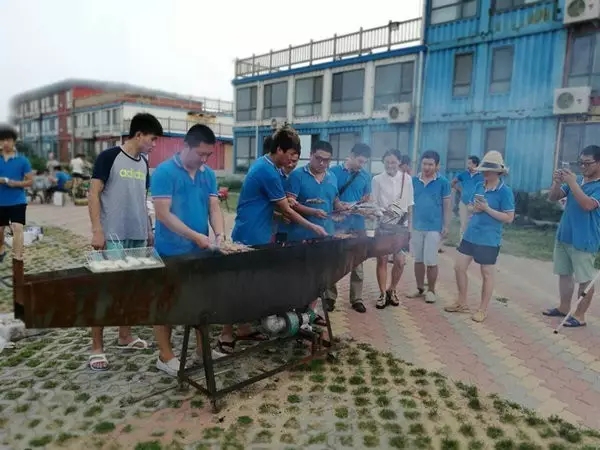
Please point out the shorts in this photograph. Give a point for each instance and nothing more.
(424, 246)
(569, 261)
(12, 214)
(485, 255)
(77, 175)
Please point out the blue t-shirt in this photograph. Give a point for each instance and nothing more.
(61, 179)
(304, 187)
(468, 181)
(15, 169)
(279, 225)
(482, 228)
(428, 210)
(578, 227)
(359, 188)
(262, 188)
(190, 202)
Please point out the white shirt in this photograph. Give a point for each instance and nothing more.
(77, 165)
(386, 190)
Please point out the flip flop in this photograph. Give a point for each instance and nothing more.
(572, 322)
(553, 312)
(255, 336)
(134, 345)
(98, 358)
(226, 348)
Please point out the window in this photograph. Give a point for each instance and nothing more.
(393, 83)
(75, 121)
(502, 67)
(246, 104)
(94, 119)
(69, 124)
(88, 119)
(347, 92)
(448, 10)
(50, 103)
(52, 124)
(106, 117)
(457, 150)
(574, 138)
(495, 139)
(115, 116)
(584, 64)
(342, 143)
(463, 75)
(245, 151)
(504, 5)
(308, 97)
(382, 141)
(275, 100)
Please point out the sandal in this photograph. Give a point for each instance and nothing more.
(553, 312)
(98, 362)
(572, 322)
(226, 348)
(479, 316)
(136, 344)
(457, 308)
(255, 336)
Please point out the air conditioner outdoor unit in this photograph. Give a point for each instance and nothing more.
(399, 112)
(581, 11)
(574, 100)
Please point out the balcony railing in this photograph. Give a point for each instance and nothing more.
(389, 37)
(180, 126)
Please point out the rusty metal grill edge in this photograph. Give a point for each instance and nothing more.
(387, 37)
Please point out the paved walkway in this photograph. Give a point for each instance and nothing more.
(514, 353)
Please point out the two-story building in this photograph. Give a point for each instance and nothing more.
(362, 86)
(490, 75)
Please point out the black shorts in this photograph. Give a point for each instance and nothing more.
(486, 255)
(77, 175)
(12, 214)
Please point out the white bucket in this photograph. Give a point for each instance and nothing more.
(58, 199)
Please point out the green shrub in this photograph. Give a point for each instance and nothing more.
(234, 183)
(537, 207)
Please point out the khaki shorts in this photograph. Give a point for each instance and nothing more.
(424, 246)
(571, 262)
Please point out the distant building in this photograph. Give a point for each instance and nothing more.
(89, 116)
(520, 77)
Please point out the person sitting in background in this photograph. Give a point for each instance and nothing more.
(41, 183)
(58, 181)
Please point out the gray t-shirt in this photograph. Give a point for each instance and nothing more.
(123, 214)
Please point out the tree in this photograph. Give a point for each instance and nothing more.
(37, 162)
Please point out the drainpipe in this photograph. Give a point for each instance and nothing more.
(420, 91)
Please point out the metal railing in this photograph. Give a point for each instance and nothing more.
(389, 37)
(181, 126)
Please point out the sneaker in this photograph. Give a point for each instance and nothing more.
(381, 301)
(196, 358)
(170, 367)
(430, 297)
(418, 294)
(392, 298)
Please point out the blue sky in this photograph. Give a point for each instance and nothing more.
(184, 46)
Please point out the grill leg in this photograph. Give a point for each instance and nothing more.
(183, 378)
(209, 370)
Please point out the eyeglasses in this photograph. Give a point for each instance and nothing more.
(322, 160)
(586, 163)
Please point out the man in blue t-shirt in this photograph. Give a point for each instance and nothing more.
(465, 183)
(314, 190)
(578, 235)
(58, 179)
(184, 192)
(262, 191)
(431, 218)
(354, 185)
(15, 176)
(492, 205)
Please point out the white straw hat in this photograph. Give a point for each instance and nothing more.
(492, 162)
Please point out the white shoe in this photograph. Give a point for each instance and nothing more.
(170, 367)
(430, 297)
(196, 359)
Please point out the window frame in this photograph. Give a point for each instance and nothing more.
(487, 139)
(252, 109)
(249, 155)
(402, 143)
(398, 95)
(450, 167)
(461, 4)
(589, 74)
(578, 147)
(335, 140)
(341, 100)
(492, 80)
(496, 10)
(268, 91)
(455, 84)
(314, 102)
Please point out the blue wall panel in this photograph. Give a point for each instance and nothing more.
(529, 153)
